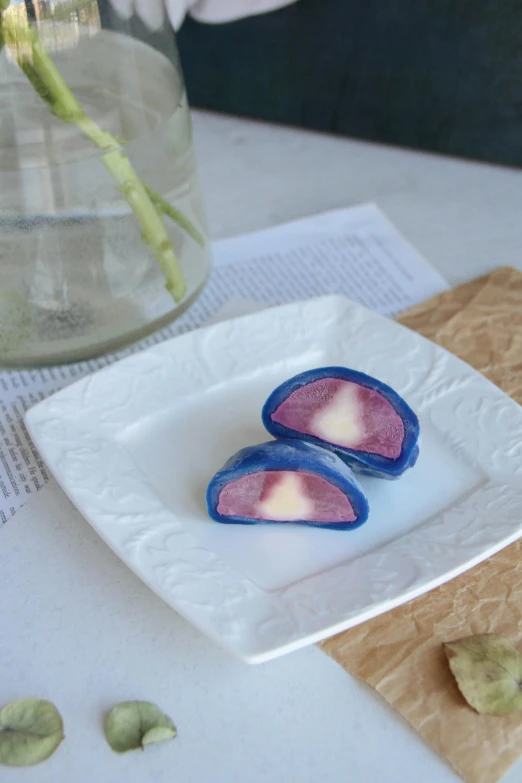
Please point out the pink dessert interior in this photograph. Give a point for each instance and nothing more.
(345, 414)
(285, 496)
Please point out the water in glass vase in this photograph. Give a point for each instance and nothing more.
(77, 276)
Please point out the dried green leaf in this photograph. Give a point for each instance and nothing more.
(30, 732)
(488, 671)
(135, 724)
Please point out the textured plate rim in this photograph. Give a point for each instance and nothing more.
(477, 420)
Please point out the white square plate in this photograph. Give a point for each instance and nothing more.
(135, 445)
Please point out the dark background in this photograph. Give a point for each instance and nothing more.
(439, 75)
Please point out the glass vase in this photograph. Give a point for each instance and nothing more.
(102, 229)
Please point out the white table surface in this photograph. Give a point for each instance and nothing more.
(77, 627)
(466, 218)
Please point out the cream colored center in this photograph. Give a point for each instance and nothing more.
(286, 501)
(341, 420)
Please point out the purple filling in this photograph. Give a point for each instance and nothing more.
(244, 497)
(378, 428)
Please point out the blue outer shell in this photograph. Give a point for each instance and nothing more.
(361, 461)
(289, 455)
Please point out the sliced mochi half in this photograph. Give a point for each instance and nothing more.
(287, 481)
(364, 421)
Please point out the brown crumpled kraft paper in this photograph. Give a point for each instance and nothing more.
(400, 653)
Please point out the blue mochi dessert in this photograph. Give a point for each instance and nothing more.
(365, 422)
(286, 481)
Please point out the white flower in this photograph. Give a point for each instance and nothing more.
(152, 12)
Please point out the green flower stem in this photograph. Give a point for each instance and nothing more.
(117, 164)
(170, 211)
(162, 205)
(147, 205)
